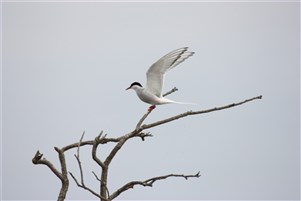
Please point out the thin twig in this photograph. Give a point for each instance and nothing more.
(97, 178)
(101, 140)
(89, 142)
(78, 160)
(148, 182)
(143, 135)
(170, 92)
(84, 187)
(79, 144)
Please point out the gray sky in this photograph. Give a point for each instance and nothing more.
(66, 66)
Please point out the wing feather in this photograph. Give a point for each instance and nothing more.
(155, 74)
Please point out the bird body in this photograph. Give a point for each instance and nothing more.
(150, 98)
(155, 75)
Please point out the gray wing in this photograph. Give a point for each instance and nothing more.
(155, 74)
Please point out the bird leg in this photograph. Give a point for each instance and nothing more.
(151, 108)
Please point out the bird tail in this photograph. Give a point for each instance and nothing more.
(166, 101)
(185, 103)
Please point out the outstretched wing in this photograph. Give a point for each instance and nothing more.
(155, 74)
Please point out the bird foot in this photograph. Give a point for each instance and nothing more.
(151, 108)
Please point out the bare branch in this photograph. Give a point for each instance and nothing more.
(64, 180)
(78, 160)
(75, 145)
(115, 150)
(170, 92)
(80, 169)
(102, 140)
(101, 182)
(120, 141)
(164, 121)
(94, 149)
(142, 119)
(37, 159)
(79, 143)
(106, 163)
(103, 165)
(143, 135)
(96, 176)
(149, 183)
(61, 175)
(81, 185)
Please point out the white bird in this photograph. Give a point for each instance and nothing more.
(152, 93)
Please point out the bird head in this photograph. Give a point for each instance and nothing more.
(134, 85)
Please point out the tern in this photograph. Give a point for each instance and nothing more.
(152, 93)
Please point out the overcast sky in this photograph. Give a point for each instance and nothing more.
(65, 68)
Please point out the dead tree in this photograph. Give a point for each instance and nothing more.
(104, 194)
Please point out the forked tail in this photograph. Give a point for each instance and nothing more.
(184, 103)
(167, 101)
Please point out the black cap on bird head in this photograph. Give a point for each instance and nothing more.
(134, 84)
